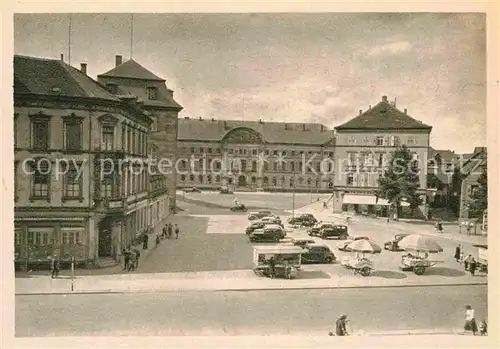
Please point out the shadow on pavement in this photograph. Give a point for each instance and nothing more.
(387, 274)
(313, 274)
(441, 271)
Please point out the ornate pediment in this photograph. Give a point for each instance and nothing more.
(108, 119)
(243, 135)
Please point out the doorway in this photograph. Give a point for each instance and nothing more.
(242, 181)
(105, 238)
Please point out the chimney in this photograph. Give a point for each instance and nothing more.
(406, 111)
(304, 127)
(118, 60)
(83, 68)
(186, 118)
(384, 98)
(213, 119)
(286, 126)
(201, 118)
(225, 125)
(322, 128)
(260, 121)
(369, 107)
(170, 92)
(360, 111)
(62, 57)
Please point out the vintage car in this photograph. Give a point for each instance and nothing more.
(333, 231)
(315, 229)
(305, 219)
(270, 233)
(393, 244)
(317, 253)
(225, 190)
(260, 214)
(272, 220)
(192, 190)
(254, 226)
(343, 245)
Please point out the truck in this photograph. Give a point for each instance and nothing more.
(482, 258)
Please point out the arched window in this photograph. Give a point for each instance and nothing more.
(274, 181)
(183, 178)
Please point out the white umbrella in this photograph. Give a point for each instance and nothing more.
(364, 246)
(419, 243)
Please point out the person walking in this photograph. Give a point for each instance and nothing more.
(133, 261)
(145, 241)
(126, 258)
(137, 257)
(157, 240)
(472, 266)
(164, 232)
(341, 326)
(55, 267)
(470, 320)
(466, 262)
(176, 231)
(170, 230)
(458, 249)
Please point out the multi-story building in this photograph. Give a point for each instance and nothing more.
(75, 146)
(362, 149)
(440, 169)
(255, 155)
(130, 80)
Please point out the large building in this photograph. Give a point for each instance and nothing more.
(130, 80)
(440, 169)
(78, 189)
(362, 149)
(255, 155)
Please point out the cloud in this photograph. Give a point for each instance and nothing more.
(392, 48)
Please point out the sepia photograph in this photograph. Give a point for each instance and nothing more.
(250, 174)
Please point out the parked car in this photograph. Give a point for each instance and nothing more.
(192, 190)
(252, 216)
(225, 190)
(305, 219)
(334, 231)
(254, 226)
(317, 253)
(270, 233)
(393, 244)
(260, 214)
(272, 219)
(315, 229)
(342, 245)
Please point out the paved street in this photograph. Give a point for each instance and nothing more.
(245, 313)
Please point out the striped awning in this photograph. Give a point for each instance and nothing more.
(355, 199)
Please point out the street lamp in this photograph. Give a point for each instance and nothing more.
(293, 195)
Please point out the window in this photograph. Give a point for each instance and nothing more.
(275, 167)
(301, 180)
(330, 154)
(40, 133)
(41, 180)
(350, 179)
(275, 152)
(395, 142)
(133, 147)
(192, 150)
(200, 178)
(107, 186)
(274, 181)
(292, 166)
(152, 93)
(352, 159)
(73, 183)
(154, 125)
(70, 237)
(254, 151)
(73, 134)
(209, 179)
(309, 181)
(217, 179)
(39, 236)
(129, 140)
(365, 141)
(112, 88)
(209, 150)
(380, 159)
(254, 180)
(266, 166)
(202, 150)
(380, 140)
(292, 183)
(351, 140)
(412, 140)
(254, 166)
(107, 137)
(124, 131)
(266, 181)
(191, 178)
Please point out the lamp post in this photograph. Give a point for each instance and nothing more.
(293, 196)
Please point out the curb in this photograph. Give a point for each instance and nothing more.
(262, 289)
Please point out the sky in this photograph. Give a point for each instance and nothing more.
(291, 67)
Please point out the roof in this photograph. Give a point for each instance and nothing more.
(43, 76)
(446, 155)
(272, 132)
(475, 162)
(132, 70)
(163, 97)
(383, 116)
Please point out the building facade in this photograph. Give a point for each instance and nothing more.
(131, 80)
(255, 155)
(363, 147)
(79, 189)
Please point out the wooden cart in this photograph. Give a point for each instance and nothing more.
(416, 264)
(278, 261)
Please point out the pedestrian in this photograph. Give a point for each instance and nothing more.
(341, 326)
(145, 240)
(126, 258)
(133, 260)
(458, 249)
(470, 320)
(176, 231)
(157, 240)
(272, 267)
(164, 232)
(55, 267)
(137, 257)
(462, 257)
(170, 229)
(483, 328)
(472, 266)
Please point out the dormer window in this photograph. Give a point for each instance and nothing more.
(152, 93)
(112, 88)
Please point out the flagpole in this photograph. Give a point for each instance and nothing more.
(69, 40)
(131, 35)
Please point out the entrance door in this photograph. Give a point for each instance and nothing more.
(105, 239)
(242, 181)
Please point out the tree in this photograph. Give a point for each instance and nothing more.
(480, 195)
(400, 180)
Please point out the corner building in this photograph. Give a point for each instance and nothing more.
(75, 144)
(363, 147)
(255, 155)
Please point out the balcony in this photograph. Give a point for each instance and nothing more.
(109, 204)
